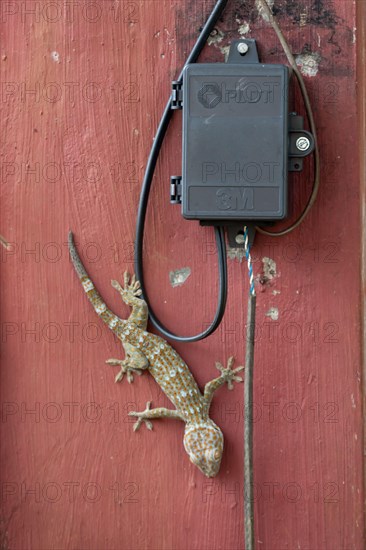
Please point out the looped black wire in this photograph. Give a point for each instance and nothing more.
(144, 198)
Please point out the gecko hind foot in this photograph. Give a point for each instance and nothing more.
(228, 373)
(125, 369)
(142, 418)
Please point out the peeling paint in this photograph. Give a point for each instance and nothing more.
(275, 292)
(243, 28)
(236, 253)
(273, 313)
(303, 19)
(259, 7)
(269, 269)
(215, 37)
(308, 63)
(179, 276)
(225, 50)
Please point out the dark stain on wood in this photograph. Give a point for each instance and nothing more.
(320, 12)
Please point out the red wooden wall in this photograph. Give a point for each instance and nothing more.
(83, 85)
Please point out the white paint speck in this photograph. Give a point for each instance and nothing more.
(273, 313)
(275, 292)
(308, 63)
(55, 56)
(354, 35)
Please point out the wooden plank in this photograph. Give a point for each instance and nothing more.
(361, 87)
(83, 87)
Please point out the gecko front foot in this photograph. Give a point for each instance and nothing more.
(229, 374)
(142, 417)
(130, 290)
(125, 369)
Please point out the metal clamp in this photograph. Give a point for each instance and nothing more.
(176, 189)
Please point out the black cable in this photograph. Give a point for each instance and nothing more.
(145, 192)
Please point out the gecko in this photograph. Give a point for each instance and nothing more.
(203, 439)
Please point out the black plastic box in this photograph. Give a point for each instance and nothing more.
(235, 141)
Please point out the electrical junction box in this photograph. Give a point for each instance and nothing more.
(239, 139)
(235, 141)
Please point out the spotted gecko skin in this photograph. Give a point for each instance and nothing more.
(203, 439)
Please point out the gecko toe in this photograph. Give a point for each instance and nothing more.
(119, 377)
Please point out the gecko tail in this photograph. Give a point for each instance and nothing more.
(75, 258)
(95, 298)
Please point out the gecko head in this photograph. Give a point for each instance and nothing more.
(204, 444)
